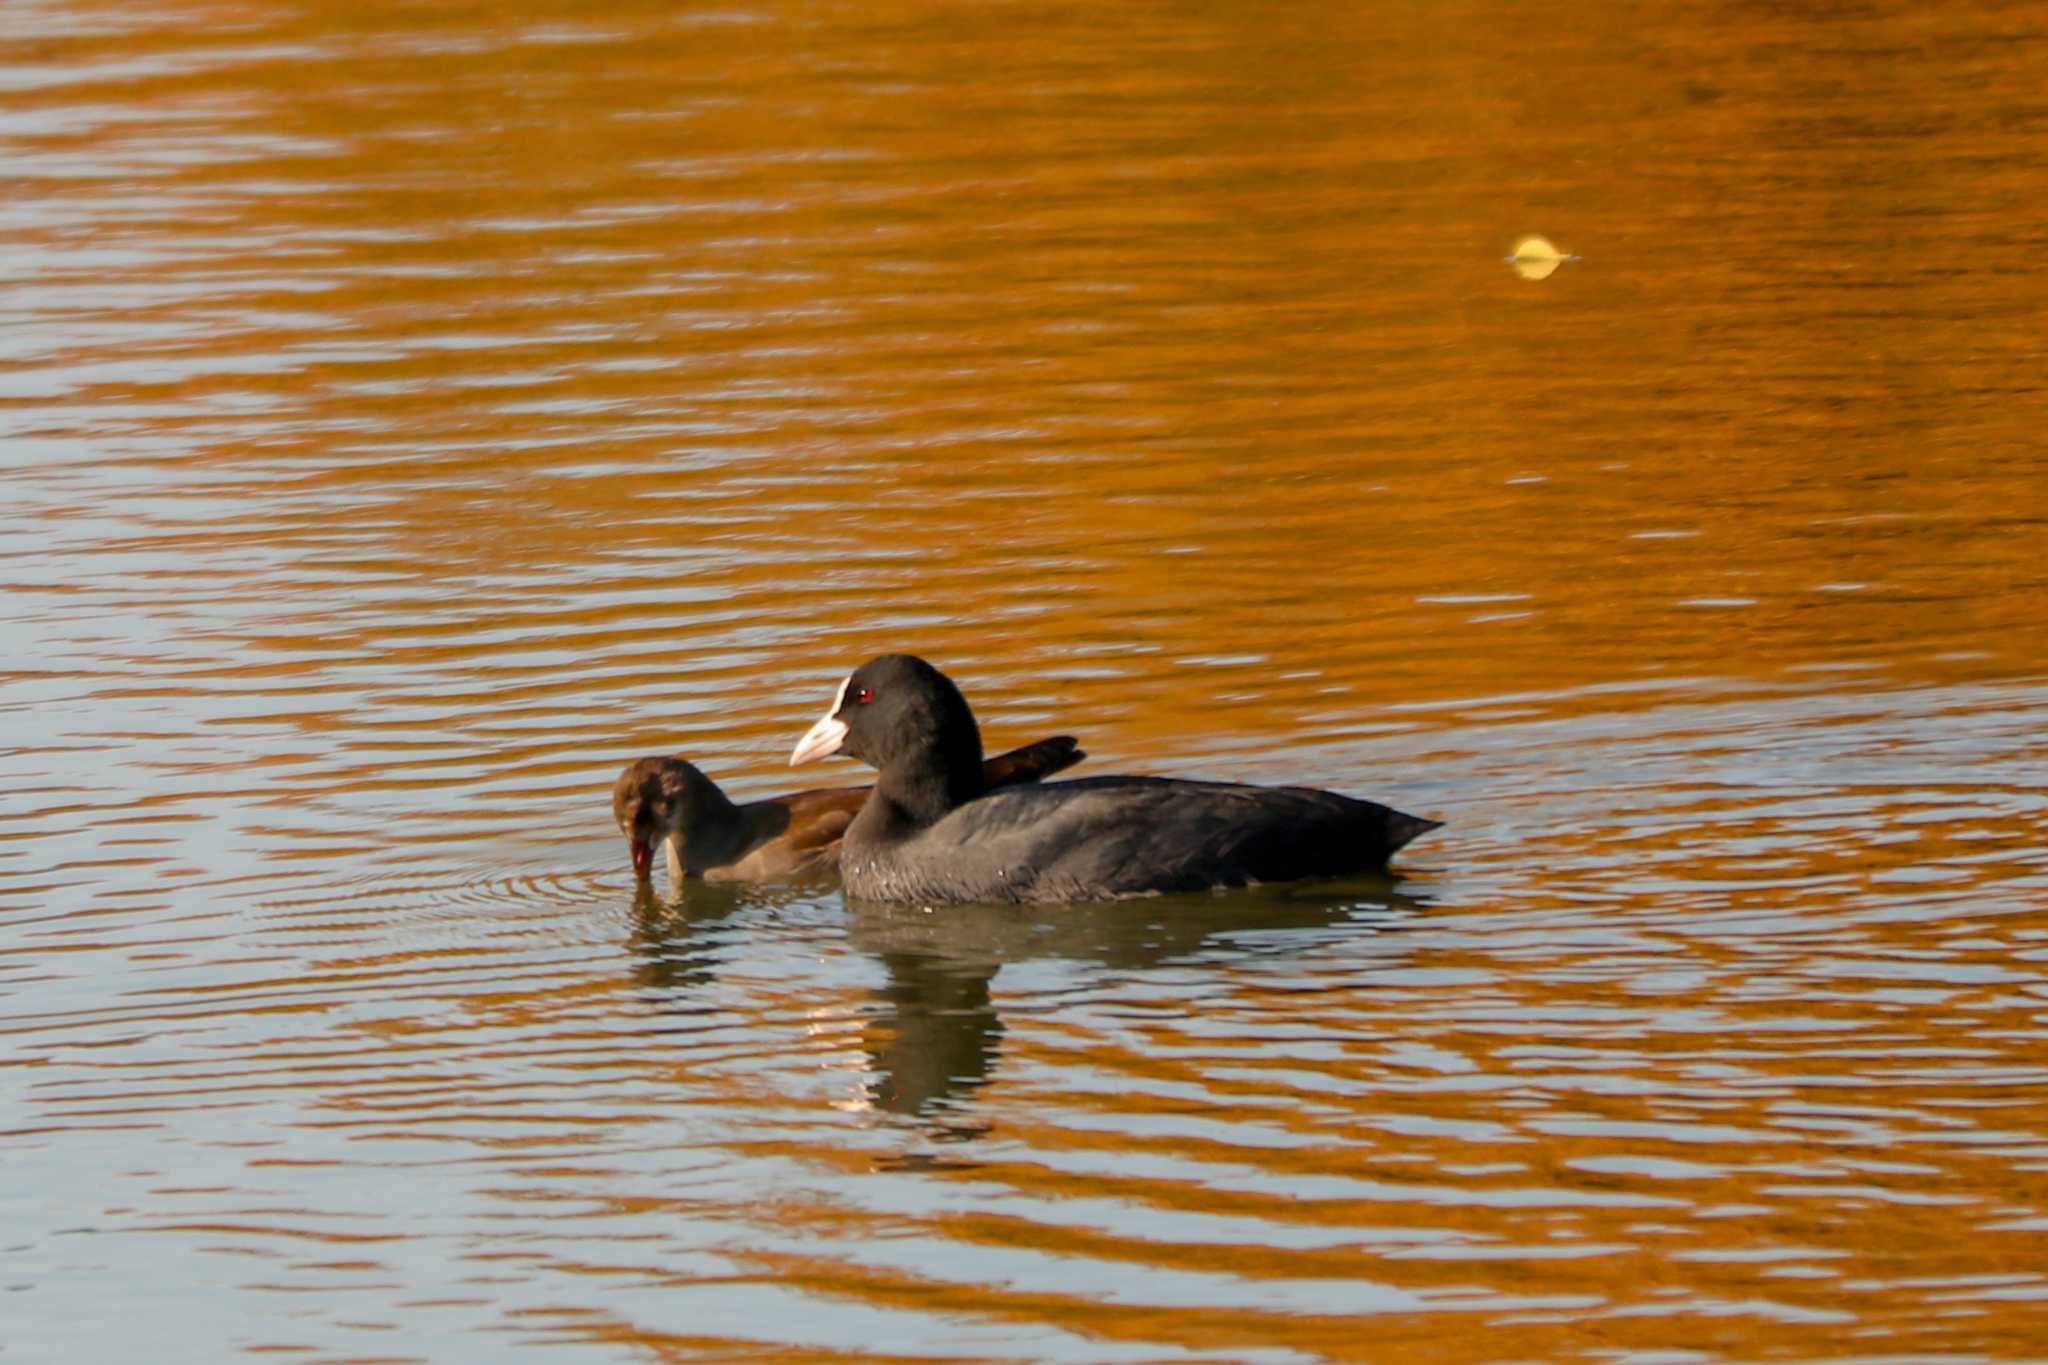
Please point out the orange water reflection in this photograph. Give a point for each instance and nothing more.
(415, 411)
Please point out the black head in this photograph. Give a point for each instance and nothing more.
(908, 721)
(662, 799)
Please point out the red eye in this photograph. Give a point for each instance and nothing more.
(864, 695)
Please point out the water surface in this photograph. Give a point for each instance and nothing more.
(410, 413)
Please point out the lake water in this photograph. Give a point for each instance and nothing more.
(409, 413)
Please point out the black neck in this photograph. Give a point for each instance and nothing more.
(944, 774)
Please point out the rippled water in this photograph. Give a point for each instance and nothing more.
(411, 413)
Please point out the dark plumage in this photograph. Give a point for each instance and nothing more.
(928, 833)
(705, 833)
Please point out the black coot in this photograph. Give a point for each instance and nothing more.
(928, 833)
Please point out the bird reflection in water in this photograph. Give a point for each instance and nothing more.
(936, 1037)
(674, 941)
(932, 1032)
(933, 1039)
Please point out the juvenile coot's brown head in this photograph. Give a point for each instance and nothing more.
(656, 801)
(904, 718)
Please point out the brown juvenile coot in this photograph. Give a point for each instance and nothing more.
(668, 801)
(928, 833)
